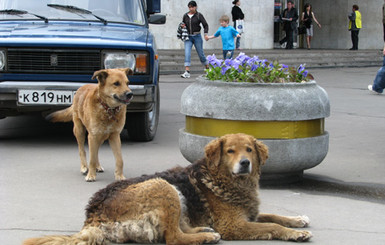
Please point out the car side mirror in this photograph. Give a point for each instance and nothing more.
(157, 19)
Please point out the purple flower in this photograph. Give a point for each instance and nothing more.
(255, 66)
(224, 69)
(214, 61)
(284, 68)
(263, 63)
(236, 63)
(301, 68)
(243, 67)
(252, 61)
(242, 58)
(211, 57)
(228, 62)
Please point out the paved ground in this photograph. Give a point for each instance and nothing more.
(42, 191)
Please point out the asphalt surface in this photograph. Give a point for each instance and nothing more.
(42, 191)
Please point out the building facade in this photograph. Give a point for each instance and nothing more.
(262, 31)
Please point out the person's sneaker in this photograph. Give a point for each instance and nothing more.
(186, 74)
(370, 87)
(228, 54)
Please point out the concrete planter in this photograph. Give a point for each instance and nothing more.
(288, 117)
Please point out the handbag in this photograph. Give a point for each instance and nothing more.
(239, 26)
(182, 32)
(301, 29)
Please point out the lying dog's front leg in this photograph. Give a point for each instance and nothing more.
(287, 221)
(244, 230)
(116, 146)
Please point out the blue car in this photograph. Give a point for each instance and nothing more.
(50, 48)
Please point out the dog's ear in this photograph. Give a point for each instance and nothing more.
(213, 152)
(101, 75)
(128, 71)
(263, 151)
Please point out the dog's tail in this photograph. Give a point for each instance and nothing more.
(64, 115)
(87, 236)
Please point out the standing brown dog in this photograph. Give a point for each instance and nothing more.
(101, 110)
(215, 197)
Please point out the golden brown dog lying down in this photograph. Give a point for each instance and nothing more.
(101, 110)
(215, 197)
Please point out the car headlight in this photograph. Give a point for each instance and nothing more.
(138, 62)
(2, 60)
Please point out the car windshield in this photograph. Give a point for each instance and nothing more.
(126, 11)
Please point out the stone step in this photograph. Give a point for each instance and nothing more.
(321, 60)
(171, 61)
(282, 52)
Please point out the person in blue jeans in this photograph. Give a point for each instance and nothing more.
(379, 82)
(228, 33)
(193, 20)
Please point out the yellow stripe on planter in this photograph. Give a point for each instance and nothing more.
(259, 129)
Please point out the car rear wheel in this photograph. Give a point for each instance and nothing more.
(142, 126)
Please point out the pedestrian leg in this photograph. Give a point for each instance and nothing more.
(198, 43)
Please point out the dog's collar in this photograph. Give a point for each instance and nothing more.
(110, 111)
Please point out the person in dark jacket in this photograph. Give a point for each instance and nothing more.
(193, 20)
(237, 14)
(289, 18)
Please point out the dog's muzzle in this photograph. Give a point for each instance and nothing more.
(125, 98)
(243, 167)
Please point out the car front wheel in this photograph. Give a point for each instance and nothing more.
(142, 126)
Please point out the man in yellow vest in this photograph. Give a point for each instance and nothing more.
(355, 25)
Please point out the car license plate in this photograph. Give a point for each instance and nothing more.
(45, 97)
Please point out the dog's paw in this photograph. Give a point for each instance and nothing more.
(300, 236)
(90, 178)
(84, 170)
(213, 238)
(100, 169)
(120, 177)
(302, 221)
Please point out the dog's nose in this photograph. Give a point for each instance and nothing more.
(245, 163)
(129, 95)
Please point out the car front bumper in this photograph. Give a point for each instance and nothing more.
(143, 97)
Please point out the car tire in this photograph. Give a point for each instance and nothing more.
(142, 126)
